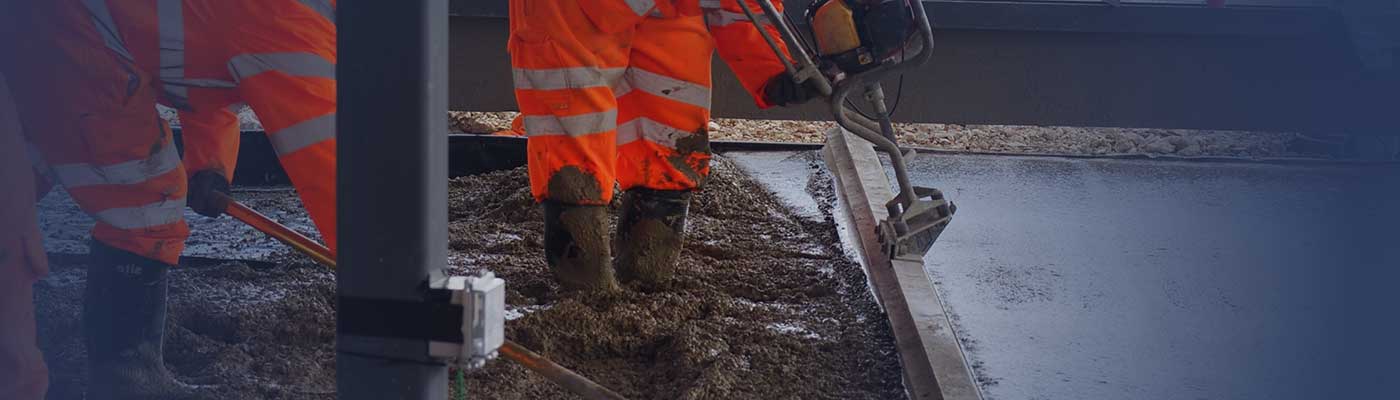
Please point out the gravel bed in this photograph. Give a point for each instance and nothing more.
(1017, 139)
(1012, 139)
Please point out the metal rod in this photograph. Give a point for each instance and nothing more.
(280, 232)
(561, 376)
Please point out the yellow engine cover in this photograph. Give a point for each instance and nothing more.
(834, 26)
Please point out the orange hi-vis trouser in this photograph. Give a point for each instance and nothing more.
(276, 56)
(22, 262)
(619, 91)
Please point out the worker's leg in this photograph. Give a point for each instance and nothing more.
(564, 70)
(663, 145)
(91, 112)
(22, 262)
(283, 61)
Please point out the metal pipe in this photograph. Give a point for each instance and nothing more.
(901, 174)
(561, 376)
(392, 186)
(278, 231)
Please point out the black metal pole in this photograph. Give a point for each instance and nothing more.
(392, 167)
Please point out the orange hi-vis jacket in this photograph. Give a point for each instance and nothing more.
(97, 69)
(276, 56)
(619, 90)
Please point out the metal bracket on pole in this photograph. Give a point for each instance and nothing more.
(483, 302)
(461, 317)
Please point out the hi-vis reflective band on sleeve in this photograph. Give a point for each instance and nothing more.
(303, 134)
(302, 64)
(565, 78)
(170, 14)
(575, 125)
(651, 131)
(126, 173)
(147, 216)
(641, 7)
(664, 86)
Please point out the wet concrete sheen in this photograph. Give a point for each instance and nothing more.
(1109, 279)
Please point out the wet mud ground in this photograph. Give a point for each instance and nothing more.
(766, 304)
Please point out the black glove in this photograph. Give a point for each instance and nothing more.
(781, 90)
(203, 189)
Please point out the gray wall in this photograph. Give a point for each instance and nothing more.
(1083, 65)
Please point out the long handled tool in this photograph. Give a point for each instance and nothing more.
(859, 42)
(556, 373)
(280, 232)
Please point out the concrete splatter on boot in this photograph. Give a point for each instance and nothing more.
(650, 233)
(124, 311)
(576, 246)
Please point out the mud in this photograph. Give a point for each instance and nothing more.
(570, 185)
(764, 304)
(579, 249)
(649, 235)
(648, 253)
(263, 332)
(692, 156)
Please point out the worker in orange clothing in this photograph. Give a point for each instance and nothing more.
(90, 75)
(619, 91)
(213, 56)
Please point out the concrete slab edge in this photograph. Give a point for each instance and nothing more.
(933, 361)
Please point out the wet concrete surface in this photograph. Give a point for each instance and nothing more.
(1109, 279)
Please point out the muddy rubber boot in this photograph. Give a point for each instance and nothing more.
(650, 232)
(576, 246)
(124, 329)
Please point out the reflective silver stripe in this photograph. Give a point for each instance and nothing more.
(147, 216)
(565, 78)
(243, 66)
(171, 18)
(718, 18)
(668, 87)
(576, 125)
(651, 131)
(126, 173)
(102, 20)
(322, 7)
(622, 88)
(641, 7)
(710, 3)
(304, 134)
(204, 83)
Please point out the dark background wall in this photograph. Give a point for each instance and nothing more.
(1069, 64)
